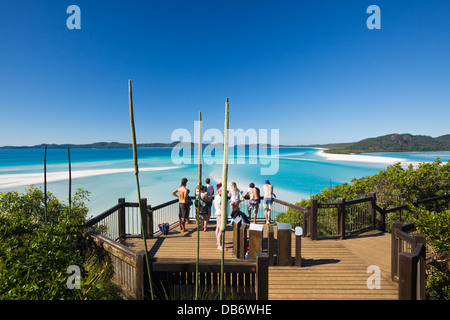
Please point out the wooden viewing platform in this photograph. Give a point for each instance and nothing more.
(331, 268)
(343, 253)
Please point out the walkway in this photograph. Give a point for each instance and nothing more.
(332, 269)
(336, 269)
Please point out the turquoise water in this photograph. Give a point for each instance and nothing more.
(108, 173)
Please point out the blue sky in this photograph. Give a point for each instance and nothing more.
(311, 69)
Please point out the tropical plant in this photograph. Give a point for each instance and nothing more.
(136, 173)
(436, 227)
(35, 254)
(224, 194)
(200, 145)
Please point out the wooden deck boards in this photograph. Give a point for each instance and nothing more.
(331, 269)
(184, 245)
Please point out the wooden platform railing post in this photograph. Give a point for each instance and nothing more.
(396, 227)
(255, 236)
(139, 275)
(121, 217)
(236, 238)
(270, 245)
(262, 276)
(420, 239)
(306, 221)
(150, 224)
(341, 217)
(372, 210)
(411, 275)
(144, 217)
(382, 219)
(313, 218)
(243, 240)
(298, 246)
(284, 236)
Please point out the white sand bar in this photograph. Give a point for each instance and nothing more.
(25, 179)
(361, 158)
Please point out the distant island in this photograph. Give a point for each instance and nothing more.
(391, 143)
(95, 145)
(388, 143)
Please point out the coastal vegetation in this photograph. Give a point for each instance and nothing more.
(397, 186)
(37, 250)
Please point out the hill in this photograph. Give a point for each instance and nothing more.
(393, 143)
(96, 145)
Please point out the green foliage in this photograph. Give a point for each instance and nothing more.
(394, 186)
(34, 255)
(436, 226)
(394, 143)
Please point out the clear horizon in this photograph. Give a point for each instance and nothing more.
(143, 143)
(312, 70)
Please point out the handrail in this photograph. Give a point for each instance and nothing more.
(165, 204)
(309, 213)
(290, 205)
(105, 214)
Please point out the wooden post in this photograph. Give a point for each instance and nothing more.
(140, 275)
(341, 217)
(284, 236)
(144, 218)
(236, 238)
(382, 218)
(313, 220)
(255, 239)
(262, 276)
(306, 221)
(372, 211)
(270, 245)
(396, 227)
(121, 218)
(243, 240)
(150, 221)
(421, 265)
(406, 283)
(298, 246)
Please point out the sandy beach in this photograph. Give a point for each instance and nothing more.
(363, 158)
(26, 179)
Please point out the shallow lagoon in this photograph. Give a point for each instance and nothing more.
(108, 173)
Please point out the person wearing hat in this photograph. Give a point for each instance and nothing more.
(268, 200)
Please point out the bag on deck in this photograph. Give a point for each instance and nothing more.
(164, 228)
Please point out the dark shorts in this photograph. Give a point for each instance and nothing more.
(253, 205)
(183, 212)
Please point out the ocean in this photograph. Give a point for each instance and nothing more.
(108, 174)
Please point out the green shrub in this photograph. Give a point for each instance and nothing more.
(436, 227)
(35, 255)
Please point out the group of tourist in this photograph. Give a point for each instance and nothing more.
(205, 199)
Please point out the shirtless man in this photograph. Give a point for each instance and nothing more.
(181, 194)
(253, 194)
(268, 199)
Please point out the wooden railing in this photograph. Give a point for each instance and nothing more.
(243, 280)
(341, 219)
(128, 265)
(347, 217)
(408, 253)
